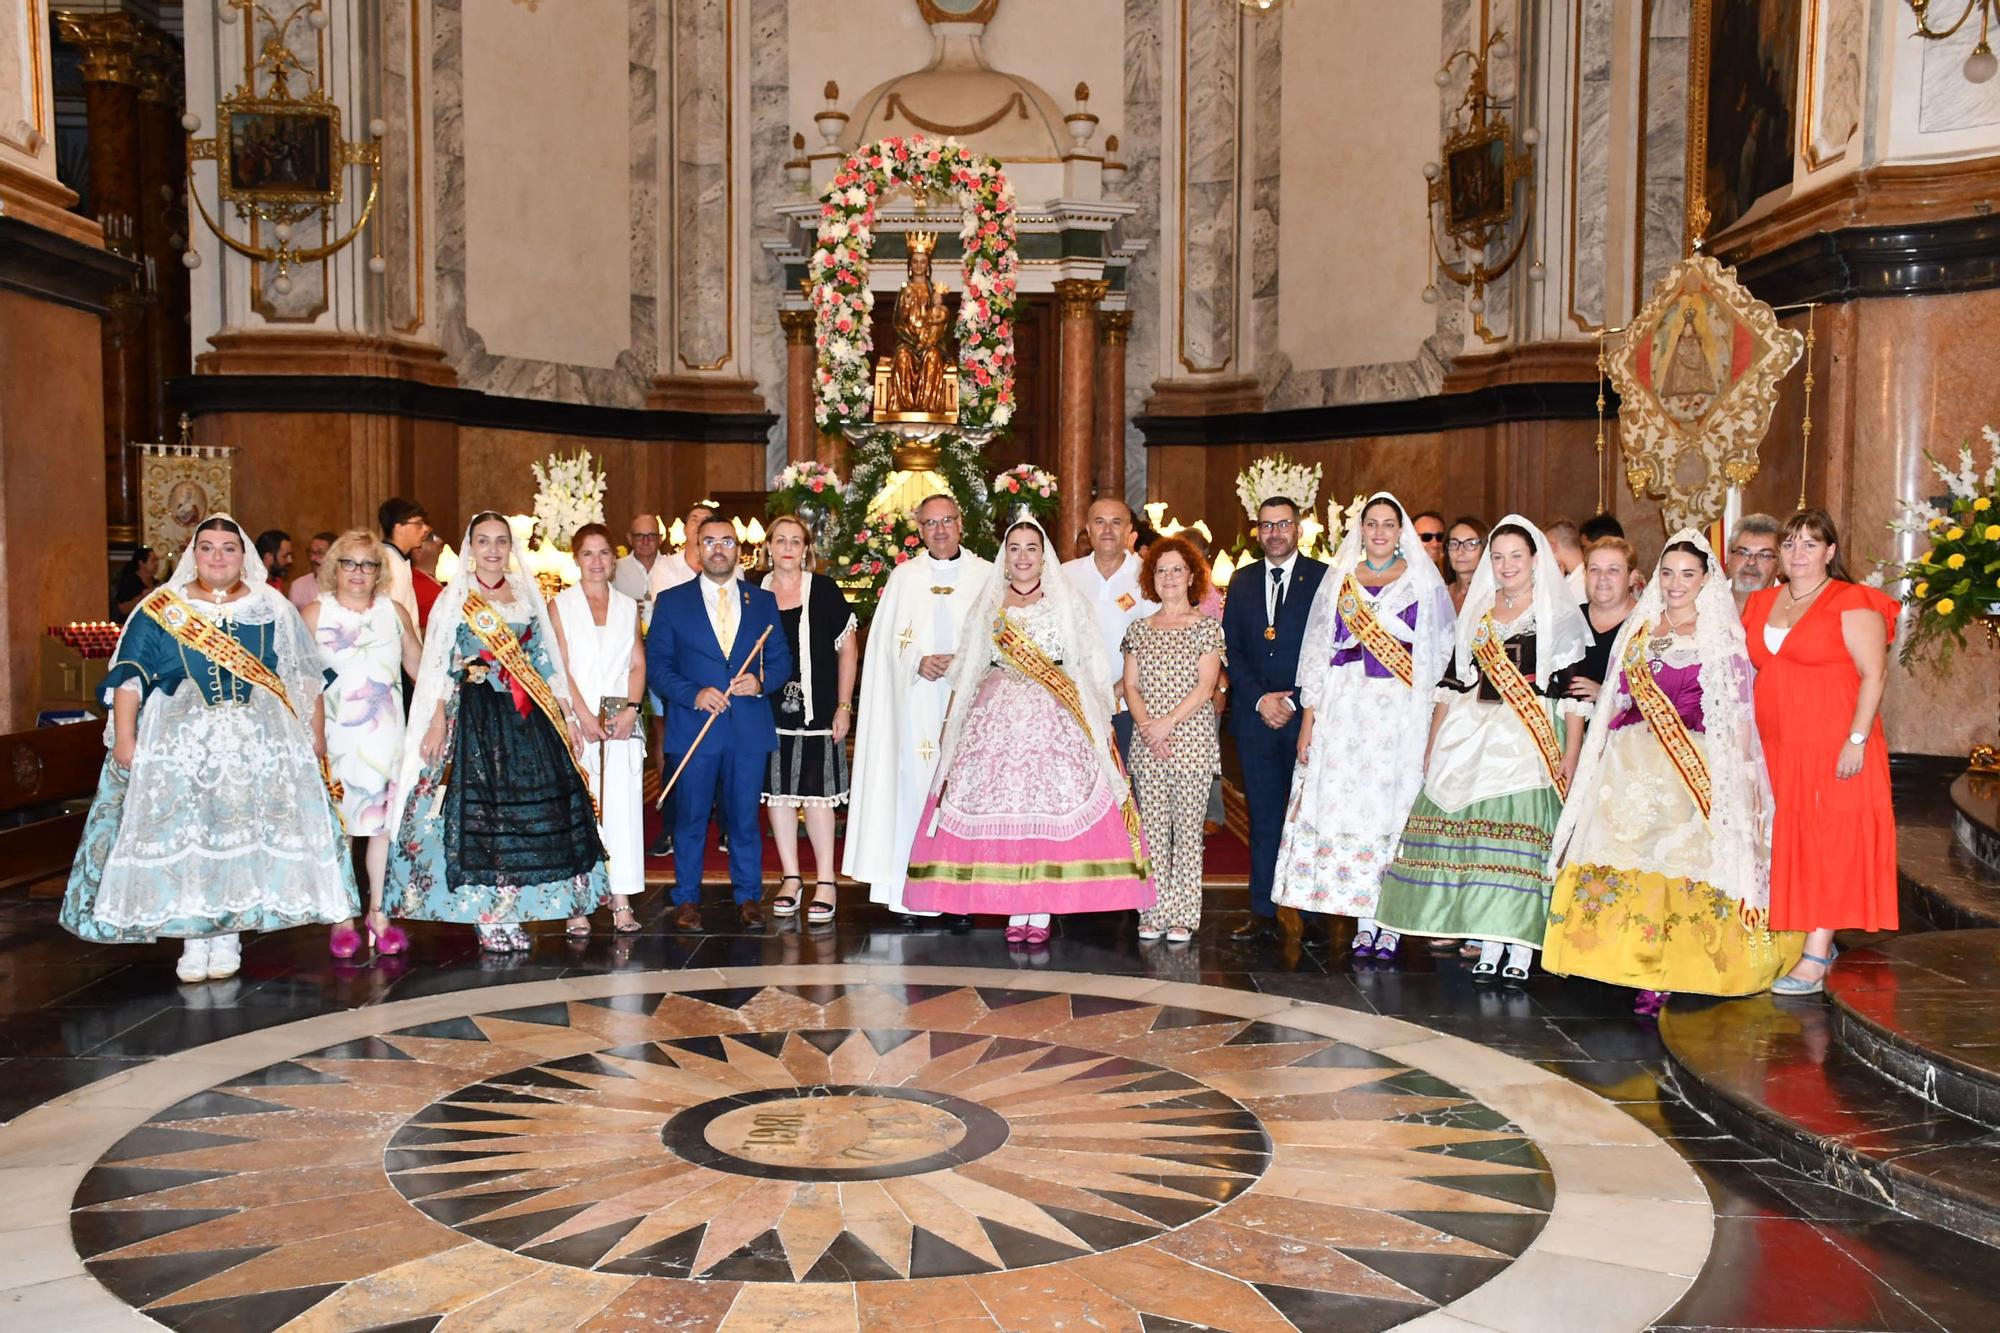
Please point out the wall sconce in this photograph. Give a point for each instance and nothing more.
(1981, 65)
(1472, 189)
(830, 120)
(281, 158)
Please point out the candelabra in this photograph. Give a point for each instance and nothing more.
(1981, 65)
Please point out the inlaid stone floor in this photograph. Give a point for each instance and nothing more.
(858, 1147)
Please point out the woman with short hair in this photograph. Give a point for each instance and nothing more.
(214, 814)
(1464, 543)
(367, 642)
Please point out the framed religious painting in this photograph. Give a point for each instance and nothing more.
(1697, 375)
(1476, 192)
(1743, 76)
(279, 152)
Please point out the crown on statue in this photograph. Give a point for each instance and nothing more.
(922, 242)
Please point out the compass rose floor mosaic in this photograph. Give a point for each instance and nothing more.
(852, 1147)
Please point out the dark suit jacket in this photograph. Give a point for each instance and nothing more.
(1258, 665)
(683, 656)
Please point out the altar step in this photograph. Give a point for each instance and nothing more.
(1948, 852)
(1889, 1089)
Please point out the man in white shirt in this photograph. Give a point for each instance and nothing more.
(1108, 578)
(904, 690)
(633, 573)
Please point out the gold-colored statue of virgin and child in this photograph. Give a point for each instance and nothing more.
(918, 380)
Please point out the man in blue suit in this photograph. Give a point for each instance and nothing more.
(1263, 623)
(698, 660)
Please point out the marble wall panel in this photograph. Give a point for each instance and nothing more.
(703, 219)
(1950, 101)
(1663, 194)
(405, 195)
(1590, 162)
(1140, 147)
(1836, 103)
(771, 132)
(624, 382)
(1209, 138)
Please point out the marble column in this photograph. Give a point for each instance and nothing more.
(800, 428)
(110, 46)
(1108, 470)
(1076, 399)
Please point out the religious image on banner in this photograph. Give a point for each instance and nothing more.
(1697, 376)
(180, 484)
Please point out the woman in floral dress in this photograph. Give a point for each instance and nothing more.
(1172, 661)
(1379, 639)
(495, 825)
(368, 642)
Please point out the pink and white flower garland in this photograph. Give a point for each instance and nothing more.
(839, 272)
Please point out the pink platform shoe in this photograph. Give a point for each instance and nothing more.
(345, 941)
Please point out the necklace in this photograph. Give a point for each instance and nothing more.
(1663, 637)
(1394, 556)
(1508, 598)
(480, 579)
(1024, 592)
(1792, 595)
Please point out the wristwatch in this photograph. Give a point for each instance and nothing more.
(1856, 738)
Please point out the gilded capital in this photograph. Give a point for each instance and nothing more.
(798, 326)
(159, 64)
(1113, 326)
(1079, 296)
(109, 42)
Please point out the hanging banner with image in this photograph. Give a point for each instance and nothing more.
(179, 485)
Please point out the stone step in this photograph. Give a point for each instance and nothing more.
(1924, 1012)
(1975, 824)
(1948, 850)
(1770, 1072)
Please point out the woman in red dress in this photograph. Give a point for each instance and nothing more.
(1820, 643)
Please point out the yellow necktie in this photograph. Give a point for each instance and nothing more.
(725, 617)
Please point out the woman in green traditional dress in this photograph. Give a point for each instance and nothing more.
(1473, 859)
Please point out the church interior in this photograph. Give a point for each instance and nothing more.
(1648, 268)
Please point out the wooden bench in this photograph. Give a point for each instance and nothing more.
(47, 777)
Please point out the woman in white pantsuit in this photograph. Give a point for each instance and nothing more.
(598, 629)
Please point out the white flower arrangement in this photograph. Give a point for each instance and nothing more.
(1339, 520)
(839, 272)
(1268, 478)
(570, 494)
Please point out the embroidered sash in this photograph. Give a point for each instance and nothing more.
(1386, 648)
(1519, 696)
(491, 629)
(185, 626)
(1665, 720)
(1022, 653)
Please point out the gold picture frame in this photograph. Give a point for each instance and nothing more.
(279, 151)
(1480, 171)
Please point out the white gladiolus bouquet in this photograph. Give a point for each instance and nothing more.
(571, 494)
(1277, 475)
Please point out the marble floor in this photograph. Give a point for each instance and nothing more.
(868, 1126)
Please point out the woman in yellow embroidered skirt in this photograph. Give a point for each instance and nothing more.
(1662, 859)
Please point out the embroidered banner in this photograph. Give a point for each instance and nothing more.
(1359, 615)
(1665, 720)
(170, 612)
(491, 628)
(1521, 697)
(179, 485)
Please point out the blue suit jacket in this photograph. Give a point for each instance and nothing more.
(1258, 665)
(683, 657)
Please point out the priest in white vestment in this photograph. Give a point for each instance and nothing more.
(904, 689)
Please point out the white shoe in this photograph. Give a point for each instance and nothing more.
(1150, 932)
(193, 965)
(225, 956)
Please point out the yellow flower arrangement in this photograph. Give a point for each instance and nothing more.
(1956, 581)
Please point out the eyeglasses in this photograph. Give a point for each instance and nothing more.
(351, 566)
(1430, 538)
(1276, 524)
(1463, 543)
(718, 543)
(938, 524)
(1745, 553)
(643, 536)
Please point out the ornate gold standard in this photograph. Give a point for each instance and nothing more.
(1697, 375)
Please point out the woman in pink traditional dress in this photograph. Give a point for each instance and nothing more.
(1030, 814)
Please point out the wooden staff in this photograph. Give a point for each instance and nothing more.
(755, 649)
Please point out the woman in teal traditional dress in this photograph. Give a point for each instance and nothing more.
(1473, 860)
(212, 816)
(494, 825)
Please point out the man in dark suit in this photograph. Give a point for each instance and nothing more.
(698, 661)
(1264, 622)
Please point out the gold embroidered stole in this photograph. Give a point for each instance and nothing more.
(1022, 653)
(1519, 696)
(491, 628)
(1665, 720)
(167, 609)
(1385, 647)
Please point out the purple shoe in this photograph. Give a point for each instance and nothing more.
(1386, 951)
(1364, 945)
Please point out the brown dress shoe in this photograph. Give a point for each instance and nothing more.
(752, 915)
(688, 917)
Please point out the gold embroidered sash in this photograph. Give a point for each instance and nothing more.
(491, 628)
(1519, 696)
(1022, 653)
(1665, 720)
(1386, 648)
(167, 609)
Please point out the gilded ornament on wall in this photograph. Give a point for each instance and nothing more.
(1697, 376)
